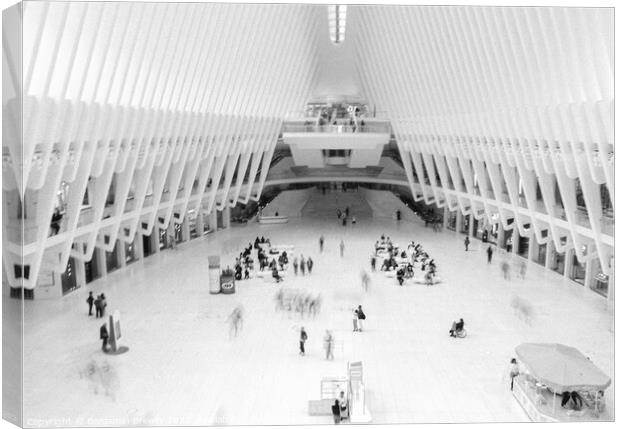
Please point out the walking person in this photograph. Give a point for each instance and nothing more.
(90, 300)
(321, 243)
(303, 336)
(302, 265)
(310, 265)
(522, 269)
(295, 265)
(360, 317)
(328, 344)
(466, 243)
(505, 266)
(373, 263)
(514, 371)
(489, 254)
(103, 336)
(341, 248)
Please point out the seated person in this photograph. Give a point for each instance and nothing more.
(400, 276)
(428, 278)
(246, 274)
(409, 271)
(276, 275)
(457, 327)
(386, 265)
(577, 401)
(262, 239)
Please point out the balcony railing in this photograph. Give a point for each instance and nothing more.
(338, 129)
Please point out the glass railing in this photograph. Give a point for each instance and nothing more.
(337, 129)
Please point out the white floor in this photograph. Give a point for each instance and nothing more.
(183, 369)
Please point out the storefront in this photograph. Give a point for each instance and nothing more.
(130, 253)
(478, 228)
(578, 270)
(111, 259)
(69, 278)
(507, 244)
(147, 245)
(451, 222)
(178, 232)
(524, 245)
(558, 261)
(465, 224)
(540, 254)
(600, 281)
(92, 270)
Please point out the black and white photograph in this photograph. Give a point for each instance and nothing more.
(307, 214)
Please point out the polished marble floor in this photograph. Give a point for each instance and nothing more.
(182, 367)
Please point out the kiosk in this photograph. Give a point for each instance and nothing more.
(547, 371)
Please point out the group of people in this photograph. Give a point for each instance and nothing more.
(344, 216)
(99, 303)
(328, 343)
(302, 264)
(415, 253)
(298, 302)
(458, 329)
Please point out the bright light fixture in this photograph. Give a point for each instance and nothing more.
(337, 18)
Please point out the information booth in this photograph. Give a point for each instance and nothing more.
(549, 371)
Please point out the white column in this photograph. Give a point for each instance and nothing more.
(213, 220)
(80, 272)
(568, 262)
(185, 228)
(471, 225)
(101, 261)
(446, 215)
(550, 256)
(200, 226)
(155, 239)
(226, 217)
(611, 292)
(515, 240)
(138, 248)
(459, 220)
(530, 249)
(501, 235)
(589, 276)
(120, 253)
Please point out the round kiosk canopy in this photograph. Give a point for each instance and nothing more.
(562, 368)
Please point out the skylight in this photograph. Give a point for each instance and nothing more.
(337, 17)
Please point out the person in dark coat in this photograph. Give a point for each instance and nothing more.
(466, 242)
(103, 336)
(336, 412)
(303, 336)
(321, 242)
(310, 265)
(302, 265)
(98, 307)
(489, 254)
(90, 300)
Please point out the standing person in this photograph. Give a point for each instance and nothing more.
(489, 254)
(514, 371)
(336, 412)
(302, 265)
(360, 317)
(98, 307)
(90, 300)
(321, 242)
(103, 336)
(505, 266)
(346, 212)
(522, 269)
(295, 265)
(310, 265)
(328, 344)
(303, 336)
(373, 263)
(341, 248)
(344, 406)
(466, 243)
(355, 320)
(339, 213)
(365, 280)
(104, 304)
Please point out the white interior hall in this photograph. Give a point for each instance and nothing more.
(182, 163)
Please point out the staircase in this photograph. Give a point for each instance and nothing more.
(325, 206)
